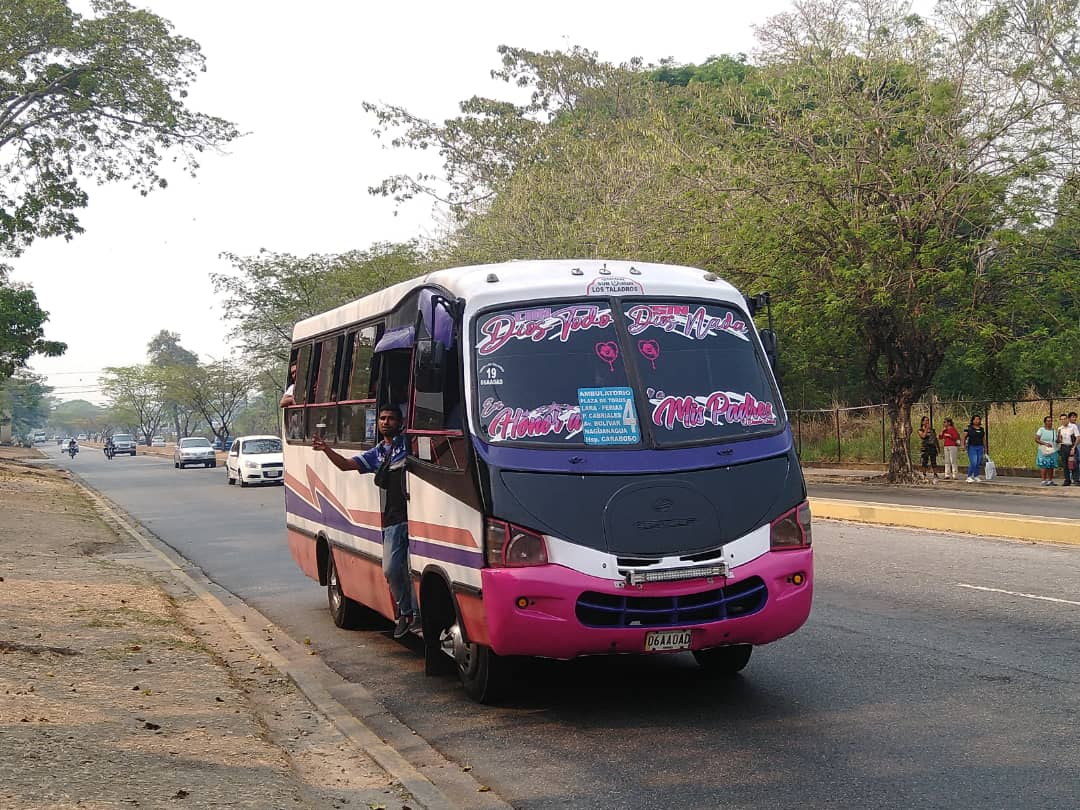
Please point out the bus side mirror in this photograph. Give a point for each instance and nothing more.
(769, 344)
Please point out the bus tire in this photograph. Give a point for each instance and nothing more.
(437, 615)
(346, 613)
(484, 675)
(722, 662)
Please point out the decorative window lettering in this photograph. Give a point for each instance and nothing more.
(717, 408)
(678, 319)
(517, 424)
(541, 324)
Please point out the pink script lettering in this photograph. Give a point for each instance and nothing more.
(499, 330)
(718, 408)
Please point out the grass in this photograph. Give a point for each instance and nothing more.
(1010, 431)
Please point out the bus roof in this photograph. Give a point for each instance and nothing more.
(549, 279)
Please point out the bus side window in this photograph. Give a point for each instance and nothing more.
(323, 407)
(437, 406)
(294, 416)
(357, 416)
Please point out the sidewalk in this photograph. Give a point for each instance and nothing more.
(120, 688)
(1013, 506)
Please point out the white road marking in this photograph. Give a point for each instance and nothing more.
(1017, 593)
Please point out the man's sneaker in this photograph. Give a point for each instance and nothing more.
(970, 480)
(978, 480)
(402, 625)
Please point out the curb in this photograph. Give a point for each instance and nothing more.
(312, 677)
(959, 521)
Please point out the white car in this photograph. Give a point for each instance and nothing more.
(194, 450)
(255, 460)
(158, 441)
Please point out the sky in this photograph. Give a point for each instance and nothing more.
(293, 77)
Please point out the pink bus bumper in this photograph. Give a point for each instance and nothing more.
(549, 625)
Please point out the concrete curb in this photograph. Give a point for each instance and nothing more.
(988, 524)
(314, 679)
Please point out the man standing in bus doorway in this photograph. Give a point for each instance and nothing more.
(387, 461)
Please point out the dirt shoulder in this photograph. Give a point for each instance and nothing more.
(119, 688)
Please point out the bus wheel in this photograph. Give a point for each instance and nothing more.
(720, 662)
(345, 611)
(484, 674)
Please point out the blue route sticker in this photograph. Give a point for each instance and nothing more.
(608, 416)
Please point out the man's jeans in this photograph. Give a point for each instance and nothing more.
(395, 566)
(1063, 460)
(975, 457)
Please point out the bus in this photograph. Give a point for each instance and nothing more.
(599, 462)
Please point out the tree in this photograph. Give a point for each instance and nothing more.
(25, 398)
(136, 394)
(99, 97)
(21, 327)
(270, 292)
(218, 392)
(78, 416)
(175, 364)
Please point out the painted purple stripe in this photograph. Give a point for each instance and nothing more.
(329, 516)
(455, 555)
(634, 461)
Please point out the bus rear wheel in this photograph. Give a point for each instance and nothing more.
(346, 613)
(722, 662)
(484, 674)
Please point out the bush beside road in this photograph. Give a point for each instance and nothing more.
(119, 688)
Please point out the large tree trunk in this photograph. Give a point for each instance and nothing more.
(901, 470)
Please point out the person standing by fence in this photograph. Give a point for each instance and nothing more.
(1046, 456)
(975, 445)
(929, 446)
(950, 440)
(1068, 437)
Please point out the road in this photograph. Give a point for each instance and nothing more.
(934, 670)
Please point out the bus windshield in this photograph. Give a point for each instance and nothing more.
(560, 375)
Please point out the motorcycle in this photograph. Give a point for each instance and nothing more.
(72, 450)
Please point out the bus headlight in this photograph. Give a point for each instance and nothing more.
(509, 546)
(791, 529)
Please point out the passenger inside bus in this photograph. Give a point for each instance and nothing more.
(386, 461)
(287, 399)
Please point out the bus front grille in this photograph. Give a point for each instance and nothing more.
(616, 610)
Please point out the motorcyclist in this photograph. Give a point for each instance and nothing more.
(73, 447)
(110, 448)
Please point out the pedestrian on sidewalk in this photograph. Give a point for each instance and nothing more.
(929, 446)
(950, 440)
(975, 445)
(1068, 438)
(1046, 457)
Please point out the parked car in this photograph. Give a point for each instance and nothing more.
(194, 450)
(124, 443)
(157, 441)
(255, 460)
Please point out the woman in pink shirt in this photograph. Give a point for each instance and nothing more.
(950, 440)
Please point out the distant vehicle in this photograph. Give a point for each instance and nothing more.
(81, 437)
(124, 443)
(157, 441)
(255, 460)
(39, 437)
(194, 450)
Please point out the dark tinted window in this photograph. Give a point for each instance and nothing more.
(532, 364)
(328, 354)
(303, 366)
(703, 377)
(361, 350)
(261, 446)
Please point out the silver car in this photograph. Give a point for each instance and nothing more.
(194, 450)
(124, 443)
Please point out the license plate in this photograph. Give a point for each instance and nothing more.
(667, 640)
(272, 473)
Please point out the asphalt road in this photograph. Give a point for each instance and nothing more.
(919, 681)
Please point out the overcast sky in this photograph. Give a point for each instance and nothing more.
(293, 77)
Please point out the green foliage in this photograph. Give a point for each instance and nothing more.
(136, 397)
(24, 397)
(78, 416)
(22, 333)
(101, 97)
(268, 293)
